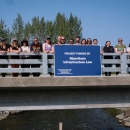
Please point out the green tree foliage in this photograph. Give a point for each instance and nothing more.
(74, 26)
(18, 27)
(63, 26)
(27, 31)
(50, 30)
(4, 32)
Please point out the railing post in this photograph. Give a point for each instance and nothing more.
(44, 65)
(123, 64)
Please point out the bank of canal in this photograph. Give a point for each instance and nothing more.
(86, 119)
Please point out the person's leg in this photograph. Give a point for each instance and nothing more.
(22, 66)
(13, 66)
(3, 66)
(106, 73)
(117, 65)
(26, 74)
(16, 66)
(109, 73)
(37, 74)
(33, 66)
(129, 66)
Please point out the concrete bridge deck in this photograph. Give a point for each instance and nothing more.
(49, 93)
(65, 81)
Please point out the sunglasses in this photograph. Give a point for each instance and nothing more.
(62, 39)
(35, 40)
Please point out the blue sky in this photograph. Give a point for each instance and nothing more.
(101, 19)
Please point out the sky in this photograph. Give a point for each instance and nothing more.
(101, 19)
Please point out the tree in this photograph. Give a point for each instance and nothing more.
(50, 30)
(67, 27)
(4, 32)
(27, 31)
(74, 26)
(18, 28)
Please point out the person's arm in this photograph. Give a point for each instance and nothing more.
(128, 49)
(52, 50)
(11, 50)
(43, 48)
(116, 51)
(28, 49)
(125, 50)
(17, 51)
(104, 49)
(112, 48)
(31, 48)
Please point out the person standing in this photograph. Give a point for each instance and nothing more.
(108, 49)
(24, 49)
(83, 41)
(15, 48)
(71, 41)
(77, 40)
(63, 40)
(4, 48)
(89, 41)
(47, 46)
(36, 47)
(119, 48)
(59, 40)
(95, 42)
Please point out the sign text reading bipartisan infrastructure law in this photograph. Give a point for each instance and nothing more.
(77, 60)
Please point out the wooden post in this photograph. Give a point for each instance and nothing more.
(60, 125)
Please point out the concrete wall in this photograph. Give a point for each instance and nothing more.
(64, 93)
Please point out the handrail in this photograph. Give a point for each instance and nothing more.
(124, 62)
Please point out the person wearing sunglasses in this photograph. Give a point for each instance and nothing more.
(77, 40)
(15, 48)
(63, 40)
(36, 47)
(119, 48)
(71, 41)
(89, 41)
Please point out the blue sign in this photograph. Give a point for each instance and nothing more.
(77, 60)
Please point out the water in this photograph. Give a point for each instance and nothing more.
(86, 119)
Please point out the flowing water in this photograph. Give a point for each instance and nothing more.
(83, 119)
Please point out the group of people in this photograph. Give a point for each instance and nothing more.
(14, 47)
(47, 47)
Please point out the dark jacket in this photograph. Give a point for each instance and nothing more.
(109, 49)
(35, 47)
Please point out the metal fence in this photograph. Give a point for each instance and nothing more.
(47, 63)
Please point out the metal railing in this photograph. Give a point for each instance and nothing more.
(45, 60)
(123, 61)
